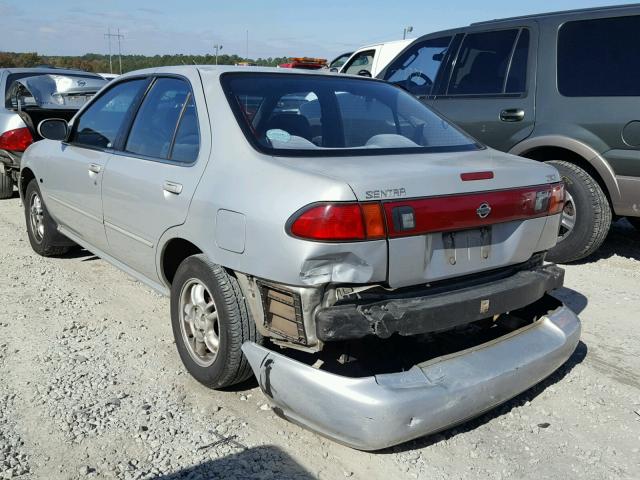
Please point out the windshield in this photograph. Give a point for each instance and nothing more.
(313, 115)
(53, 90)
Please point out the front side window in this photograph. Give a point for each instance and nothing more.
(416, 69)
(482, 63)
(99, 124)
(339, 61)
(155, 126)
(313, 115)
(360, 64)
(599, 58)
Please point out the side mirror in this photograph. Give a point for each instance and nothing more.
(53, 129)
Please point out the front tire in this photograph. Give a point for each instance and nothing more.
(41, 228)
(6, 186)
(586, 218)
(210, 323)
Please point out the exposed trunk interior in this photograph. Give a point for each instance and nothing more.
(33, 116)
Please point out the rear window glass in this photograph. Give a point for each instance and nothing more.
(305, 115)
(599, 57)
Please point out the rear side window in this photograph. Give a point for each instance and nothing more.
(483, 62)
(99, 124)
(156, 124)
(416, 69)
(361, 61)
(599, 57)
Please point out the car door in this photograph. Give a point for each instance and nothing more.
(150, 179)
(73, 180)
(490, 89)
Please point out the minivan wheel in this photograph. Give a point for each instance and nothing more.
(6, 186)
(210, 323)
(586, 217)
(41, 228)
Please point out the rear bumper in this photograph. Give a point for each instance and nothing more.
(423, 312)
(376, 412)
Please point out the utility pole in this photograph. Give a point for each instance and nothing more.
(217, 48)
(247, 45)
(118, 36)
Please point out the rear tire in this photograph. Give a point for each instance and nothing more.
(6, 186)
(591, 214)
(210, 323)
(41, 228)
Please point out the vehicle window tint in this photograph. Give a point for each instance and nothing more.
(326, 115)
(363, 118)
(155, 124)
(482, 63)
(416, 69)
(100, 123)
(517, 78)
(361, 61)
(187, 142)
(599, 57)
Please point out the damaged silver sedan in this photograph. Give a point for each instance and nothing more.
(380, 272)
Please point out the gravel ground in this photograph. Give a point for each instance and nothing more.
(91, 386)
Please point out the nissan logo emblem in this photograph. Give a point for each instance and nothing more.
(484, 210)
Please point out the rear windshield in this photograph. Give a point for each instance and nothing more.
(312, 115)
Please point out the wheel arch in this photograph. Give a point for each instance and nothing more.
(556, 147)
(173, 253)
(26, 175)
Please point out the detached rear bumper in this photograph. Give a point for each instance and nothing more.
(376, 412)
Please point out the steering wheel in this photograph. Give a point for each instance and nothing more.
(364, 73)
(413, 86)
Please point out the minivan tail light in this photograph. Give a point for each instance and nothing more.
(556, 201)
(16, 140)
(334, 222)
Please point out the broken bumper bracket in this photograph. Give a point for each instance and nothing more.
(380, 411)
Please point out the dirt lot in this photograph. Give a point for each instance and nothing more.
(91, 385)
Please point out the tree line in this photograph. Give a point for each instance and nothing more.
(94, 62)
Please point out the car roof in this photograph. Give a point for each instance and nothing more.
(536, 16)
(218, 70)
(52, 70)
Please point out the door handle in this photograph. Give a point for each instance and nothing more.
(94, 168)
(512, 115)
(172, 187)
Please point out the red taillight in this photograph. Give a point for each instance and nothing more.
(16, 140)
(472, 210)
(333, 222)
(347, 222)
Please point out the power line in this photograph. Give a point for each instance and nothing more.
(119, 36)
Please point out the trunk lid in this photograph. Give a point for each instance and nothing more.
(472, 243)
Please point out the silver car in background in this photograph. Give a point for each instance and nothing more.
(328, 232)
(31, 95)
